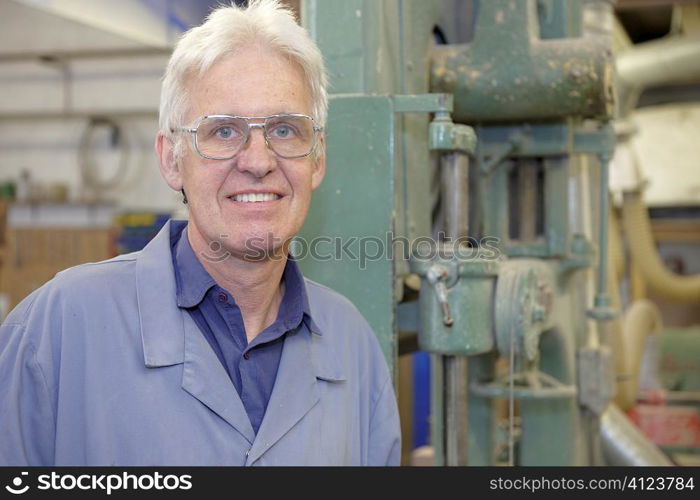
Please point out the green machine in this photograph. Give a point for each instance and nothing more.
(466, 200)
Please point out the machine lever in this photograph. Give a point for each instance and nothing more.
(436, 276)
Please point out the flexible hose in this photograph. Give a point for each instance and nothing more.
(87, 161)
(638, 287)
(642, 319)
(641, 246)
(629, 336)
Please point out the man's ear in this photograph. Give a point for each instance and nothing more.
(319, 164)
(169, 168)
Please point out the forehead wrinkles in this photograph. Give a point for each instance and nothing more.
(257, 71)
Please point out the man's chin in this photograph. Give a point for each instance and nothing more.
(263, 254)
(261, 249)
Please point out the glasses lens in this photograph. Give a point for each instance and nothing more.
(221, 137)
(290, 136)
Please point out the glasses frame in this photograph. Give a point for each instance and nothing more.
(261, 122)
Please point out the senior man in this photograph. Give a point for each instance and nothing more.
(208, 347)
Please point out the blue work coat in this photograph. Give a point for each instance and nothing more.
(100, 367)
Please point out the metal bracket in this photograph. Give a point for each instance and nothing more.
(526, 385)
(447, 136)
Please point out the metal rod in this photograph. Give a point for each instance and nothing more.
(455, 197)
(455, 192)
(527, 195)
(602, 298)
(456, 407)
(511, 401)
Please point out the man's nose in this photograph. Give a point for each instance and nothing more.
(255, 156)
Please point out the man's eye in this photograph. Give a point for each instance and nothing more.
(282, 131)
(224, 132)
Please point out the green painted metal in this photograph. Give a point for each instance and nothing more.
(374, 48)
(526, 87)
(541, 139)
(447, 136)
(354, 211)
(360, 56)
(423, 103)
(559, 18)
(542, 420)
(382, 47)
(495, 79)
(557, 235)
(483, 439)
(362, 164)
(558, 348)
(679, 358)
(469, 285)
(507, 73)
(556, 205)
(549, 388)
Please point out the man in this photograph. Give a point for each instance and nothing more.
(208, 347)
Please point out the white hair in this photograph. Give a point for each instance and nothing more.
(227, 28)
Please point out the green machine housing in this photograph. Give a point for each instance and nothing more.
(499, 143)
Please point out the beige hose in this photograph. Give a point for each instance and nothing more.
(642, 319)
(641, 246)
(628, 336)
(638, 287)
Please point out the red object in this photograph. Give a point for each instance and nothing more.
(668, 425)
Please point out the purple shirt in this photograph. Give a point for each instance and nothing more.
(252, 367)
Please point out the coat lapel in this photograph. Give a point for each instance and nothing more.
(205, 378)
(294, 394)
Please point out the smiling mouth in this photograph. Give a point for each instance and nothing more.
(254, 197)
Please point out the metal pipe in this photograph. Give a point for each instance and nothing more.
(456, 410)
(624, 444)
(602, 299)
(455, 192)
(527, 197)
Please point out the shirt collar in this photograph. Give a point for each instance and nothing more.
(192, 283)
(296, 298)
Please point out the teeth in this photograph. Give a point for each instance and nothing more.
(253, 197)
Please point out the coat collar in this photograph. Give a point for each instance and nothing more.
(162, 330)
(170, 337)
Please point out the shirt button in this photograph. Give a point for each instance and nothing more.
(223, 297)
(246, 355)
